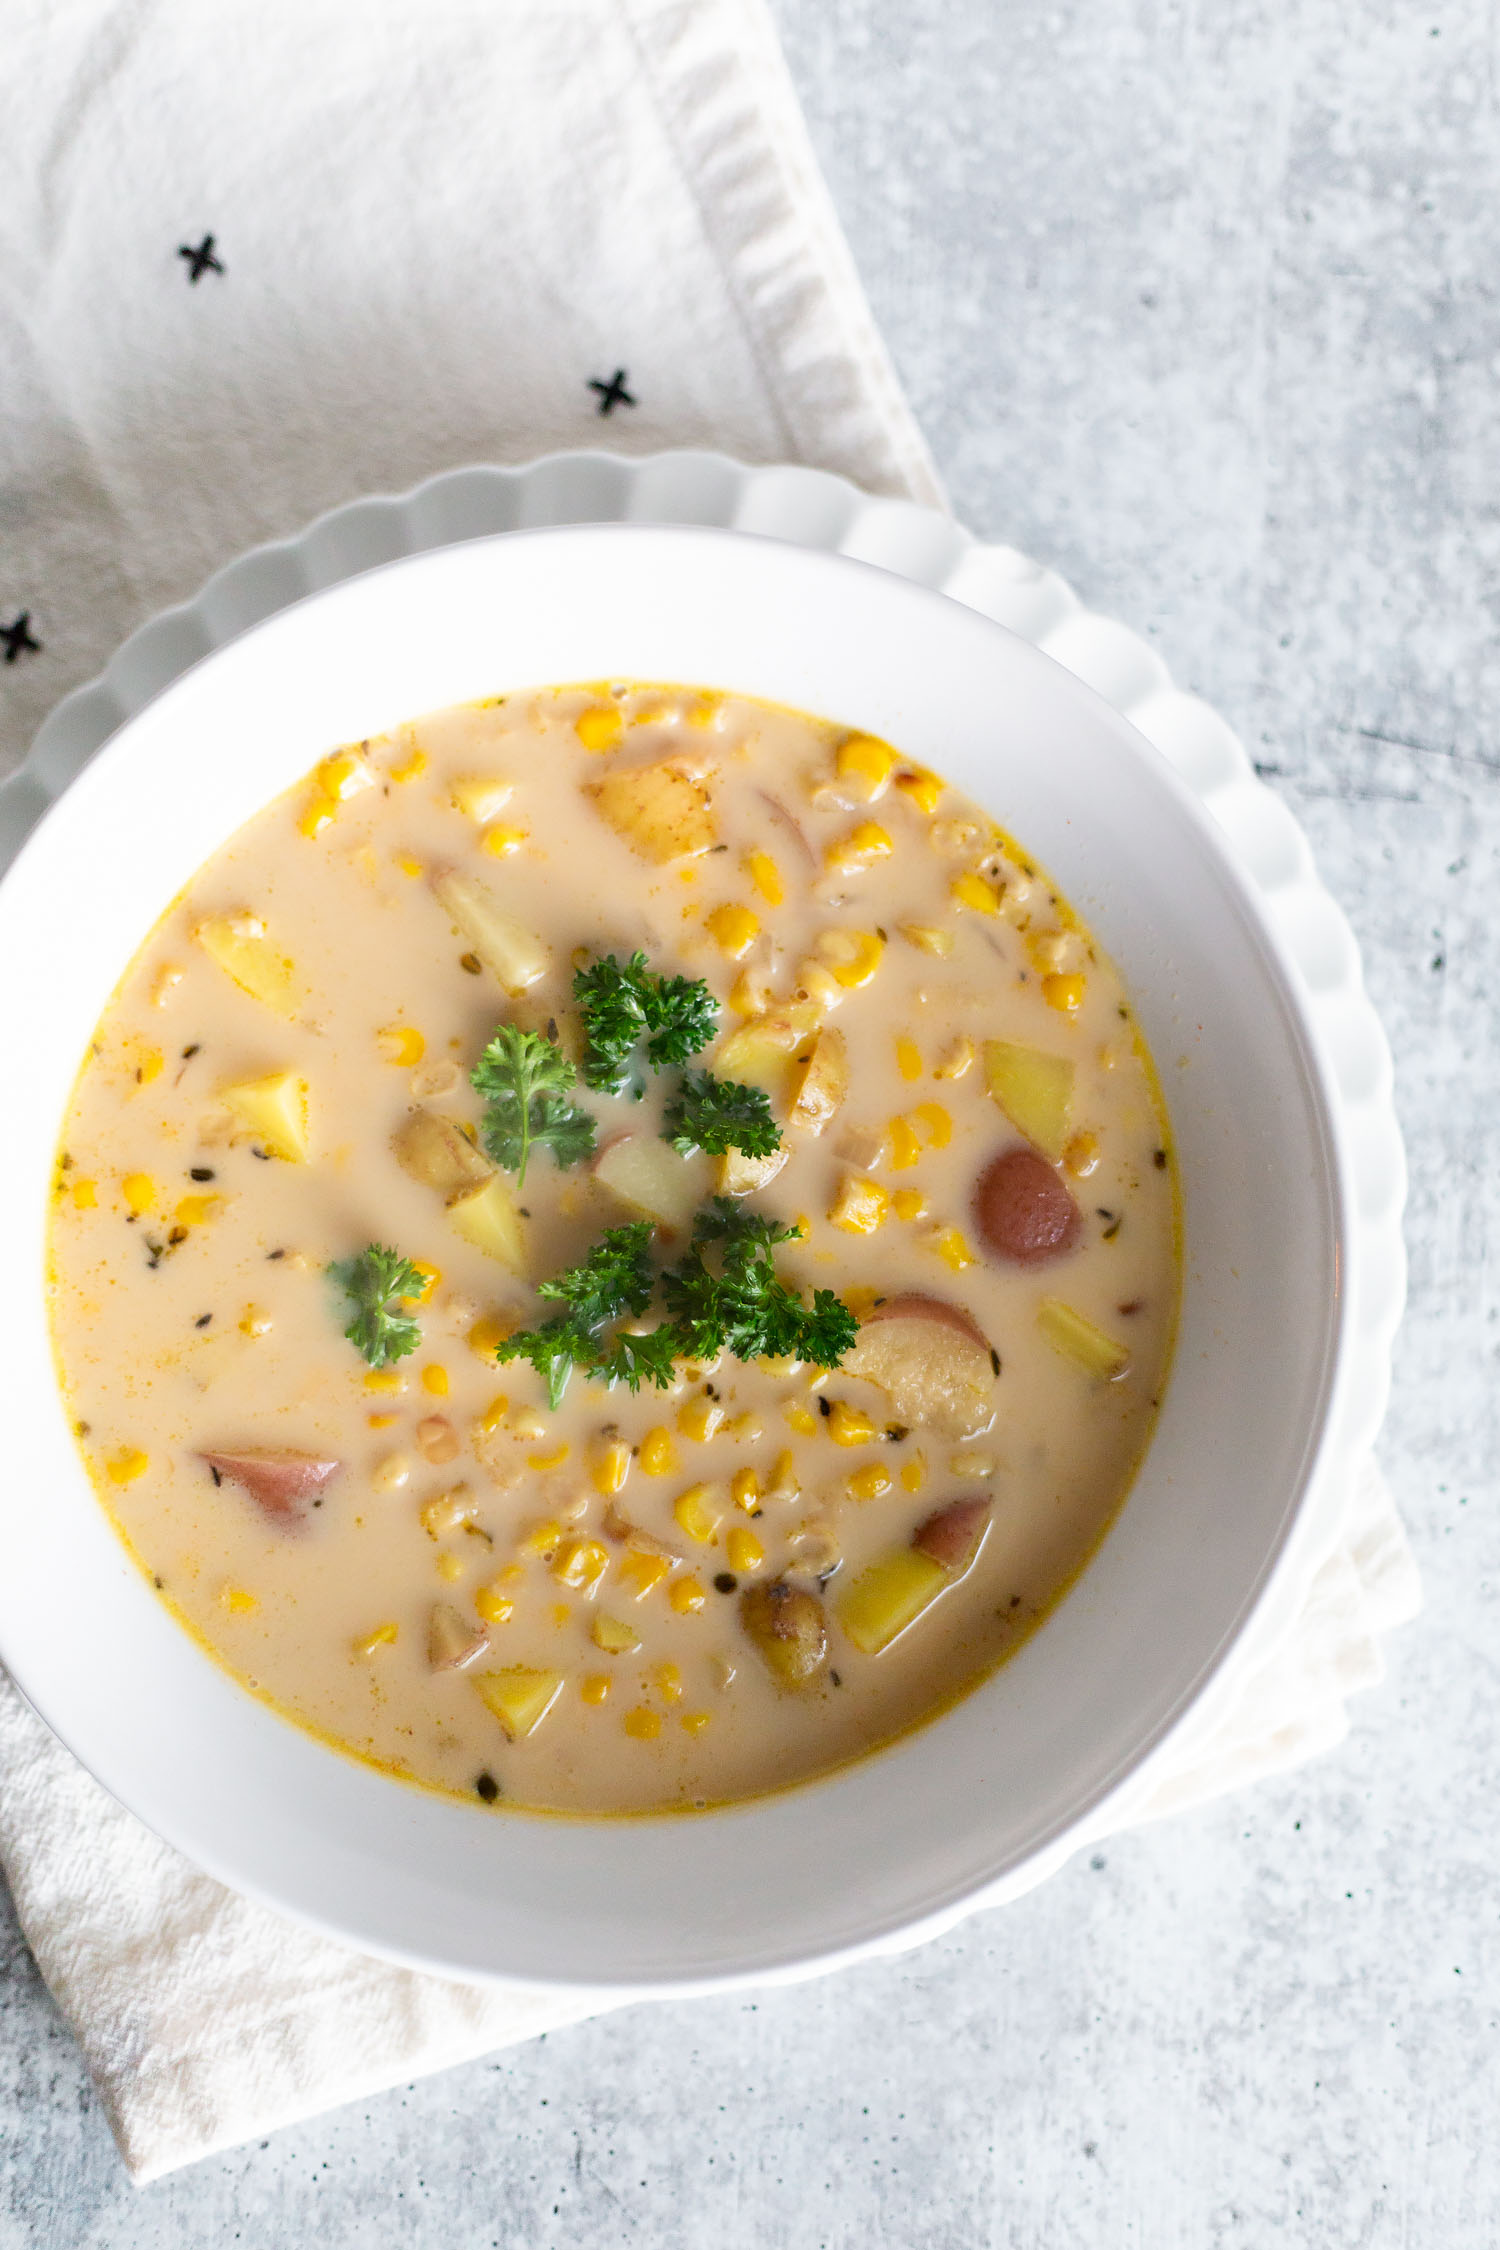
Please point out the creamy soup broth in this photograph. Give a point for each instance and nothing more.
(877, 947)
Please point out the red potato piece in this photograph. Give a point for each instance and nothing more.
(931, 1360)
(1024, 1211)
(953, 1535)
(278, 1480)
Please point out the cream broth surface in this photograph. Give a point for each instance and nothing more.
(817, 883)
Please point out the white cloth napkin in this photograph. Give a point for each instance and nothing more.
(435, 229)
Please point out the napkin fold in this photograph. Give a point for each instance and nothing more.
(246, 277)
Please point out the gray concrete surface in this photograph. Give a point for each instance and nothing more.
(1197, 301)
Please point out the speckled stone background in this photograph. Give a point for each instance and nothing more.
(1197, 300)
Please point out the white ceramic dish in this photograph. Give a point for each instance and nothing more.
(973, 1806)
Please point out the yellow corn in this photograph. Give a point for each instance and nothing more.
(850, 1425)
(482, 795)
(559, 1614)
(412, 766)
(611, 1469)
(1065, 993)
(409, 864)
(734, 930)
(643, 1571)
(493, 1606)
(595, 1687)
(390, 1474)
(543, 1540)
(139, 1191)
(383, 1636)
(866, 841)
(501, 842)
(952, 1249)
(494, 1414)
(342, 774)
(1081, 1155)
(928, 940)
(599, 728)
(192, 1210)
(125, 1466)
(527, 1423)
(766, 876)
(975, 893)
(435, 1380)
(904, 1146)
(866, 763)
(704, 712)
(860, 1205)
(784, 1484)
(581, 1564)
(750, 993)
(667, 1681)
(381, 1421)
(430, 1277)
(909, 1203)
(923, 788)
(447, 1510)
(255, 1321)
(613, 1635)
(908, 1058)
(935, 1123)
(744, 1490)
(801, 1418)
(744, 1550)
(641, 1724)
(700, 1418)
(402, 1044)
(168, 978)
(694, 1722)
(695, 1513)
(914, 1473)
(238, 1601)
(958, 1060)
(686, 1595)
(449, 1567)
(852, 955)
(871, 1483)
(85, 1195)
(315, 815)
(552, 1460)
(486, 1334)
(658, 1454)
(384, 1379)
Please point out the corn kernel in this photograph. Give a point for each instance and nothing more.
(957, 1061)
(168, 978)
(801, 1418)
(923, 788)
(238, 1600)
(402, 1044)
(611, 1469)
(315, 816)
(734, 930)
(694, 1722)
(852, 955)
(598, 729)
(866, 841)
(559, 1614)
(383, 1636)
(412, 766)
(553, 1459)
(744, 1490)
(149, 1066)
(784, 1484)
(527, 1424)
(974, 892)
(743, 1550)
(642, 1725)
(700, 1418)
(342, 774)
(644, 1572)
(437, 1441)
(766, 876)
(613, 1635)
(860, 1205)
(139, 1191)
(390, 1474)
(381, 1421)
(430, 1277)
(449, 1567)
(818, 987)
(667, 1681)
(1064, 993)
(493, 1606)
(193, 1210)
(908, 1058)
(850, 1425)
(909, 1204)
(595, 1687)
(866, 764)
(85, 1195)
(935, 1123)
(502, 842)
(384, 1379)
(658, 1454)
(704, 711)
(1081, 1156)
(581, 1564)
(410, 865)
(696, 1514)
(685, 1595)
(905, 1148)
(511, 1574)
(125, 1466)
(482, 795)
(446, 1511)
(486, 1335)
(435, 1380)
(951, 1247)
(750, 994)
(914, 1473)
(869, 1484)
(928, 940)
(973, 1462)
(543, 1540)
(255, 1321)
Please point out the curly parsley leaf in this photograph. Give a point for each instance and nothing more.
(634, 1357)
(554, 1350)
(682, 1016)
(524, 1081)
(741, 1305)
(374, 1282)
(624, 1003)
(718, 1114)
(616, 1277)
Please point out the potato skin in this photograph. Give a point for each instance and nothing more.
(789, 1629)
(1023, 1211)
(952, 1535)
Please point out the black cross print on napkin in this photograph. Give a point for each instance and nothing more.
(201, 260)
(613, 393)
(18, 635)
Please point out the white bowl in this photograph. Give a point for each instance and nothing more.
(967, 1807)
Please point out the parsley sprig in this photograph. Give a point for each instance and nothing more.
(724, 1295)
(374, 1282)
(623, 1004)
(718, 1114)
(524, 1082)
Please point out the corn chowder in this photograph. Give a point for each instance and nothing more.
(615, 1249)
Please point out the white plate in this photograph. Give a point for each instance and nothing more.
(1315, 948)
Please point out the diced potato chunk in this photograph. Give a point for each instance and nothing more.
(759, 1054)
(487, 1217)
(434, 1150)
(931, 1360)
(273, 1109)
(243, 949)
(1034, 1089)
(1078, 1339)
(520, 1697)
(888, 1596)
(452, 1641)
(664, 811)
(482, 795)
(647, 1175)
(514, 955)
(823, 1082)
(740, 1174)
(614, 1636)
(789, 1630)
